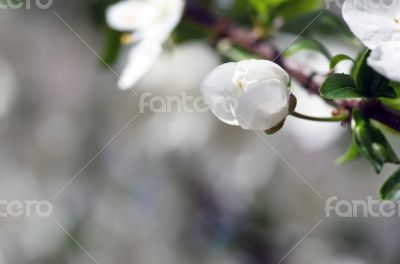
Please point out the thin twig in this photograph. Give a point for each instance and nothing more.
(263, 48)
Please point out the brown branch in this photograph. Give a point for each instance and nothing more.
(251, 42)
(264, 49)
(376, 110)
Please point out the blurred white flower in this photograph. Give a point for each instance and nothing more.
(377, 25)
(151, 22)
(172, 65)
(253, 94)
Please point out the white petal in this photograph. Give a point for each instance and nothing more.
(264, 105)
(373, 22)
(172, 67)
(172, 11)
(250, 71)
(130, 15)
(175, 9)
(385, 60)
(215, 89)
(141, 58)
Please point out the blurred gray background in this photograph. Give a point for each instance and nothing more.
(168, 188)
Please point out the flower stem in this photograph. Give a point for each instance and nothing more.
(338, 118)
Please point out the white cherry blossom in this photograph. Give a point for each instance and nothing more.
(253, 94)
(373, 22)
(377, 25)
(151, 23)
(385, 60)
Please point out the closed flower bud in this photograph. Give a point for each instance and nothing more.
(253, 94)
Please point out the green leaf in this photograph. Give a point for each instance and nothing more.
(112, 46)
(326, 24)
(371, 83)
(352, 153)
(295, 8)
(262, 9)
(392, 103)
(381, 87)
(372, 143)
(240, 10)
(338, 59)
(307, 44)
(396, 87)
(361, 69)
(340, 86)
(385, 129)
(187, 30)
(391, 188)
(364, 145)
(97, 10)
